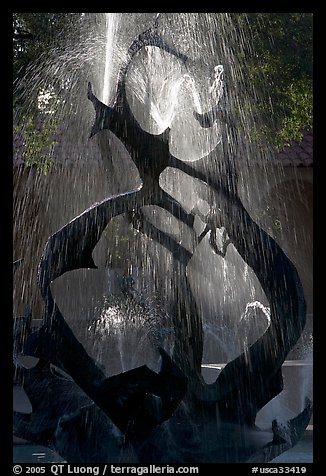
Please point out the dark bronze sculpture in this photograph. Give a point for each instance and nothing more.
(146, 406)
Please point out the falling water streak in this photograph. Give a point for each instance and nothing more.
(82, 57)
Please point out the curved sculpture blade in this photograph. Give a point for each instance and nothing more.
(285, 436)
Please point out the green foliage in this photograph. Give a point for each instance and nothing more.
(34, 34)
(279, 64)
(298, 104)
(36, 37)
(37, 142)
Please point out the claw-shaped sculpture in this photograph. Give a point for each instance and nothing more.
(141, 407)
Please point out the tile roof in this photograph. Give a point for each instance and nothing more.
(298, 153)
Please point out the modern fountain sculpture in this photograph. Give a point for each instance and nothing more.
(142, 415)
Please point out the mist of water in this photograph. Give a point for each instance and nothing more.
(162, 94)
